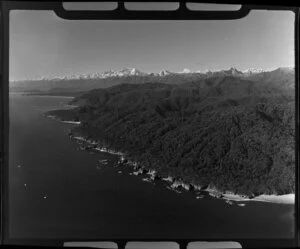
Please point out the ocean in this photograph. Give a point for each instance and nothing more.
(58, 191)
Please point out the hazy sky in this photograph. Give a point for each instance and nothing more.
(42, 44)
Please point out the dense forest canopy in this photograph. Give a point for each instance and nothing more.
(225, 132)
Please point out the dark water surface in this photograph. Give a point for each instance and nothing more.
(67, 196)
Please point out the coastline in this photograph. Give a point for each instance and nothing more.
(63, 121)
(178, 185)
(52, 96)
(278, 199)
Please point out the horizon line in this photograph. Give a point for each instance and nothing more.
(203, 71)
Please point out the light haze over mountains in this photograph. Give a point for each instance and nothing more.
(44, 45)
(283, 77)
(128, 71)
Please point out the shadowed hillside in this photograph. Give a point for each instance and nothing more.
(225, 132)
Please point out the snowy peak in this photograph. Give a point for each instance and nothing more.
(233, 72)
(130, 71)
(203, 71)
(106, 74)
(251, 71)
(186, 70)
(164, 73)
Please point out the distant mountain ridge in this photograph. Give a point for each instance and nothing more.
(129, 71)
(77, 83)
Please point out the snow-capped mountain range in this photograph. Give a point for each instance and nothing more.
(251, 71)
(128, 71)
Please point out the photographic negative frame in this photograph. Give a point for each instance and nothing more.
(121, 13)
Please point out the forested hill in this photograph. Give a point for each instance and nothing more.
(225, 132)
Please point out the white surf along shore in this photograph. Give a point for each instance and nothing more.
(177, 185)
(62, 121)
(279, 199)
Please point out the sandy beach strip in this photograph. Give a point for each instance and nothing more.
(279, 199)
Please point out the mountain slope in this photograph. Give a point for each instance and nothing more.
(226, 132)
(80, 83)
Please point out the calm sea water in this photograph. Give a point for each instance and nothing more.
(57, 191)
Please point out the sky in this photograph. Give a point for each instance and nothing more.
(44, 45)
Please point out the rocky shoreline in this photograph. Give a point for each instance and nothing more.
(176, 184)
